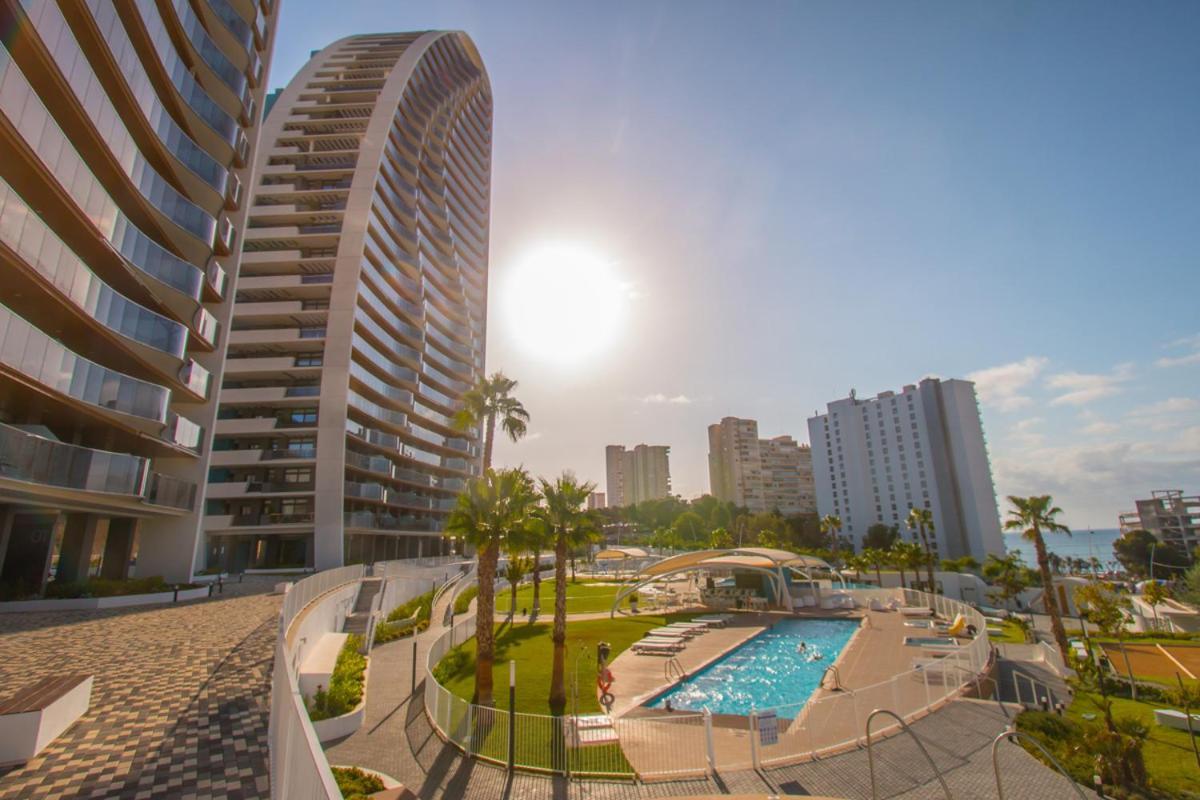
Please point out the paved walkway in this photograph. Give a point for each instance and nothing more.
(398, 740)
(180, 703)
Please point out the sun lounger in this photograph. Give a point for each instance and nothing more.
(874, 605)
(916, 611)
(699, 627)
(669, 633)
(657, 648)
(1170, 718)
(715, 620)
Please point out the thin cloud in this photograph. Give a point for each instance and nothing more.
(1191, 343)
(1095, 425)
(1165, 415)
(1081, 388)
(1002, 386)
(660, 398)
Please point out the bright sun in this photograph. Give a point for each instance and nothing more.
(564, 303)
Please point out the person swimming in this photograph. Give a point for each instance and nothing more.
(802, 647)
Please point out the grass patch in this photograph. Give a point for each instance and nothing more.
(345, 684)
(584, 597)
(1010, 633)
(530, 646)
(1170, 764)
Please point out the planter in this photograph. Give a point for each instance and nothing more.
(340, 727)
(93, 603)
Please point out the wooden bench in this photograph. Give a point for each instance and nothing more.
(38, 714)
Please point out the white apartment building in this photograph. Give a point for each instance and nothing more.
(875, 459)
(760, 474)
(637, 475)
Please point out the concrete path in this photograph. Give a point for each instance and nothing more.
(398, 740)
(180, 702)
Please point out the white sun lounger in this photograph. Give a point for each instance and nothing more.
(669, 633)
(657, 648)
(698, 627)
(715, 620)
(916, 611)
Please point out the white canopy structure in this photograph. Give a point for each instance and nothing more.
(766, 560)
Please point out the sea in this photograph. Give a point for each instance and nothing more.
(1080, 544)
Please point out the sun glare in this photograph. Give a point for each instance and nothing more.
(564, 303)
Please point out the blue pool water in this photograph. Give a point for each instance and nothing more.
(766, 671)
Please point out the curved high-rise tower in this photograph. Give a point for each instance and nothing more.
(127, 130)
(360, 313)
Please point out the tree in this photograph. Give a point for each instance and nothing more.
(1190, 593)
(920, 520)
(1032, 516)
(1008, 575)
(875, 559)
(690, 526)
(804, 532)
(720, 539)
(1134, 550)
(1155, 594)
(485, 514)
(880, 536)
(768, 538)
(962, 564)
(537, 539)
(569, 526)
(858, 563)
(491, 400)
(1108, 610)
(831, 524)
(906, 556)
(515, 570)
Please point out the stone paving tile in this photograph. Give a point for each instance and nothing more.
(180, 704)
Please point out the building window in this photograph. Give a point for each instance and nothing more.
(309, 361)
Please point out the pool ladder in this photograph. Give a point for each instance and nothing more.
(837, 678)
(673, 671)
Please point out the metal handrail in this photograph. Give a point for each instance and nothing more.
(904, 727)
(673, 667)
(978, 679)
(1013, 734)
(1034, 682)
(837, 678)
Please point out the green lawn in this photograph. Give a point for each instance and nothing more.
(530, 646)
(584, 597)
(1170, 762)
(1012, 634)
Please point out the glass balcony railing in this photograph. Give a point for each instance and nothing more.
(210, 52)
(163, 490)
(32, 458)
(234, 22)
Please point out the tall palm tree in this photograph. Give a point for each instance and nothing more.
(875, 559)
(487, 512)
(569, 525)
(920, 520)
(907, 555)
(537, 539)
(831, 524)
(490, 401)
(1033, 516)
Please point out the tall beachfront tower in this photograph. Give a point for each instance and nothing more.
(876, 458)
(127, 131)
(361, 310)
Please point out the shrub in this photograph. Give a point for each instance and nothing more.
(345, 684)
(421, 606)
(451, 665)
(463, 601)
(107, 587)
(356, 784)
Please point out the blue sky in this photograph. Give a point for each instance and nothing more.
(805, 198)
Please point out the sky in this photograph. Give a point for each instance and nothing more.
(802, 198)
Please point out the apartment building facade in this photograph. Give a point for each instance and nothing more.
(637, 475)
(127, 131)
(874, 459)
(1169, 514)
(762, 475)
(361, 310)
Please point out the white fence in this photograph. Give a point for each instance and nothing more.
(299, 770)
(682, 744)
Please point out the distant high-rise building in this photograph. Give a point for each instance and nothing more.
(596, 500)
(1171, 516)
(361, 310)
(875, 459)
(760, 474)
(127, 137)
(637, 475)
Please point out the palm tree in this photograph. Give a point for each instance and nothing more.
(831, 524)
(920, 520)
(491, 400)
(907, 555)
(876, 559)
(537, 539)
(487, 512)
(858, 563)
(514, 572)
(1032, 516)
(1007, 573)
(569, 526)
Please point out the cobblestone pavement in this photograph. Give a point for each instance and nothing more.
(180, 704)
(398, 740)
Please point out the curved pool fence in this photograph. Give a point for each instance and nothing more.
(679, 744)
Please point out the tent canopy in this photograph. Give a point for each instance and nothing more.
(760, 557)
(621, 553)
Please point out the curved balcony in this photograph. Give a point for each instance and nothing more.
(30, 352)
(25, 232)
(32, 458)
(386, 522)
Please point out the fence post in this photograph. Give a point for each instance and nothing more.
(512, 714)
(413, 689)
(754, 739)
(708, 740)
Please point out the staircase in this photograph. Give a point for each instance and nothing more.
(358, 620)
(1027, 682)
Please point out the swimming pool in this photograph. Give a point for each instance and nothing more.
(765, 671)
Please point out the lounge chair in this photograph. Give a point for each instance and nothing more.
(1170, 718)
(656, 648)
(916, 611)
(874, 605)
(669, 633)
(715, 620)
